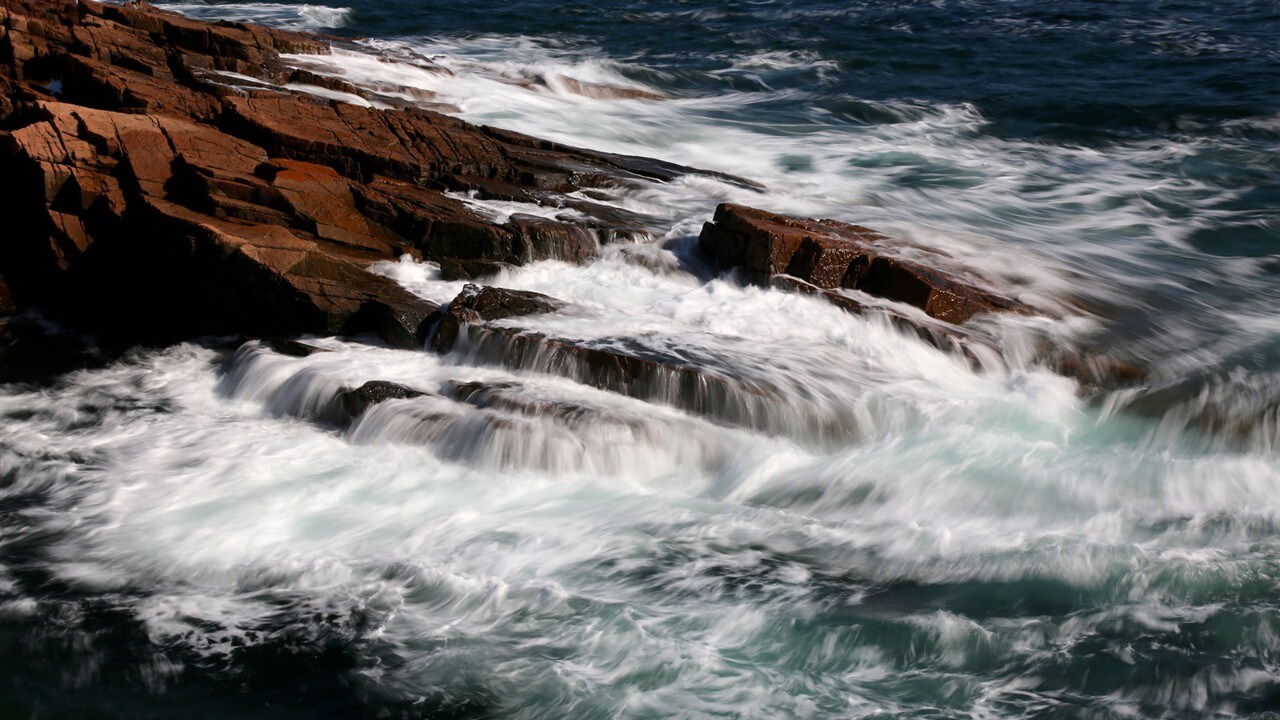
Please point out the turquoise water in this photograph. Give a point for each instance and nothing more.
(900, 536)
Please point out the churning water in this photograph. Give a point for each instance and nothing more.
(858, 525)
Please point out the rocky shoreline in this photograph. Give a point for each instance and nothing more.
(160, 184)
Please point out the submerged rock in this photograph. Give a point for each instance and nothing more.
(356, 401)
(455, 269)
(620, 365)
(293, 348)
(686, 381)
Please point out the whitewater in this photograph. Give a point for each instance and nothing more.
(890, 531)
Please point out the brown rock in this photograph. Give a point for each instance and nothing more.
(507, 397)
(400, 320)
(539, 238)
(243, 269)
(831, 255)
(264, 279)
(476, 305)
(325, 203)
(147, 194)
(941, 335)
(360, 142)
(825, 262)
(1097, 371)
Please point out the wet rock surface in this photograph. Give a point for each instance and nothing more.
(690, 383)
(476, 305)
(832, 255)
(292, 348)
(356, 401)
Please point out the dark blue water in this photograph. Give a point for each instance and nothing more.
(177, 539)
(1065, 72)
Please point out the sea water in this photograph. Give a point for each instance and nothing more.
(878, 530)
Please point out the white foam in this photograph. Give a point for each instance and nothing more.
(633, 550)
(652, 559)
(500, 211)
(1022, 213)
(281, 15)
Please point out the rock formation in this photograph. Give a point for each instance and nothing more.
(356, 401)
(160, 184)
(830, 256)
(476, 305)
(151, 194)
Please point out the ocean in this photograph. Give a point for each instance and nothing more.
(908, 536)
